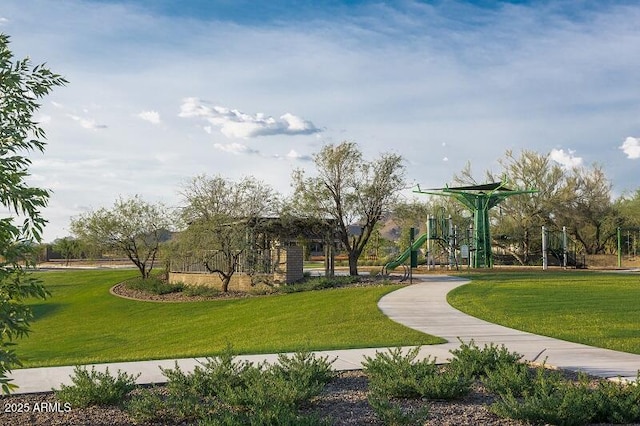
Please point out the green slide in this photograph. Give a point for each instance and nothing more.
(405, 254)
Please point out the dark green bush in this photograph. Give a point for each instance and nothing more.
(153, 285)
(223, 391)
(393, 414)
(96, 388)
(618, 402)
(471, 361)
(552, 400)
(400, 375)
(318, 283)
(200, 290)
(515, 378)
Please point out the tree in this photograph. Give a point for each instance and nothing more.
(67, 247)
(132, 227)
(350, 191)
(21, 87)
(221, 215)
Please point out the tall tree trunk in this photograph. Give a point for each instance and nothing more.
(353, 263)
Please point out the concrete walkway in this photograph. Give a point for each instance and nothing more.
(423, 307)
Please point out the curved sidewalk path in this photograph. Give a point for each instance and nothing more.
(422, 306)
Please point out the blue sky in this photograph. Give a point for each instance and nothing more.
(161, 91)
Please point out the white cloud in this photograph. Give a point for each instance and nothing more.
(566, 159)
(237, 124)
(152, 117)
(44, 119)
(294, 155)
(235, 148)
(87, 123)
(631, 147)
(3, 21)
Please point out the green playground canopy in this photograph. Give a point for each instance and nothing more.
(479, 199)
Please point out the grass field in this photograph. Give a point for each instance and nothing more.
(594, 308)
(83, 323)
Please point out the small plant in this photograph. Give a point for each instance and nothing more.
(153, 285)
(400, 375)
(514, 378)
(222, 391)
(471, 361)
(552, 399)
(393, 414)
(96, 388)
(200, 291)
(618, 402)
(397, 374)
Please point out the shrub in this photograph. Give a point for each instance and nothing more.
(397, 375)
(471, 361)
(393, 414)
(200, 290)
(223, 391)
(318, 283)
(515, 378)
(618, 402)
(552, 399)
(96, 388)
(153, 285)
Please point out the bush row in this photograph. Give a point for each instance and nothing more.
(222, 391)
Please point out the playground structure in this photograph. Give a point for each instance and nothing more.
(440, 230)
(561, 247)
(630, 236)
(477, 198)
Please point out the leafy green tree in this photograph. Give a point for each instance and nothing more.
(68, 248)
(21, 88)
(578, 198)
(350, 191)
(132, 227)
(221, 215)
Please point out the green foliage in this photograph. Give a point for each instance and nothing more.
(618, 402)
(318, 283)
(226, 392)
(21, 88)
(392, 413)
(132, 227)
(154, 285)
(199, 290)
(471, 361)
(515, 378)
(395, 374)
(96, 388)
(548, 397)
(349, 189)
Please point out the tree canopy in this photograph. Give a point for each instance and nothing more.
(21, 87)
(351, 191)
(132, 227)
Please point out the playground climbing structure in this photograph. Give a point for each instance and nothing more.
(479, 199)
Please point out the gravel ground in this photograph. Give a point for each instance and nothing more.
(344, 401)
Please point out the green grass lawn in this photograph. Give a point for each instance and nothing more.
(83, 323)
(594, 308)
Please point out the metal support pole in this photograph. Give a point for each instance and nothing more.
(564, 247)
(429, 236)
(452, 259)
(619, 248)
(545, 259)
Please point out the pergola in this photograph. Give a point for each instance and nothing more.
(479, 199)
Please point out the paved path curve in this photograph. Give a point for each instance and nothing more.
(424, 307)
(421, 306)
